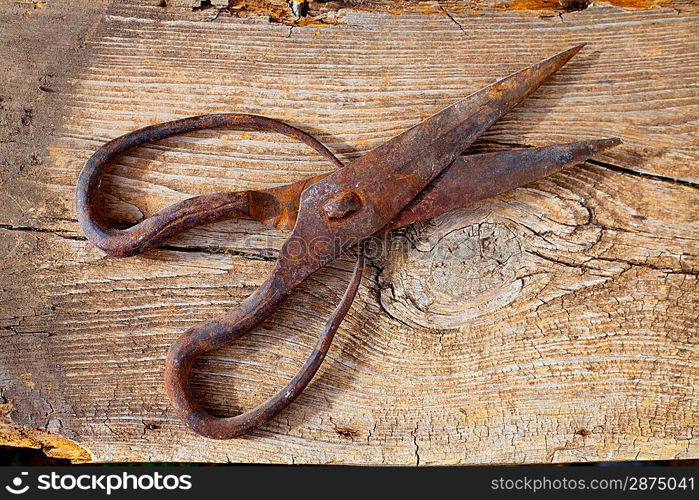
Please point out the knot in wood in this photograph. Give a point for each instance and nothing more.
(452, 273)
(341, 206)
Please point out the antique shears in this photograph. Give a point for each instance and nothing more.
(417, 175)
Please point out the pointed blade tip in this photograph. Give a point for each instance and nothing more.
(599, 145)
(554, 63)
(568, 54)
(580, 152)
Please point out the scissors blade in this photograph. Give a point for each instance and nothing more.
(476, 177)
(356, 201)
(467, 180)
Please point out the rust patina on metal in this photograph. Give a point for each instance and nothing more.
(415, 176)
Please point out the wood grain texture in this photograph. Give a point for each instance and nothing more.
(555, 323)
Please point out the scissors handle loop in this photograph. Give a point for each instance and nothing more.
(223, 330)
(181, 216)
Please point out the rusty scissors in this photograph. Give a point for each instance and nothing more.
(417, 175)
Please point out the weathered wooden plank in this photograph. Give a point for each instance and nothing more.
(553, 323)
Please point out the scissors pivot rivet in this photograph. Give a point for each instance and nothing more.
(342, 205)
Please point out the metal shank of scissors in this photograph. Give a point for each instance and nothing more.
(393, 185)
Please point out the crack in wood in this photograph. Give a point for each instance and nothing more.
(265, 257)
(642, 175)
(604, 164)
(31, 229)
